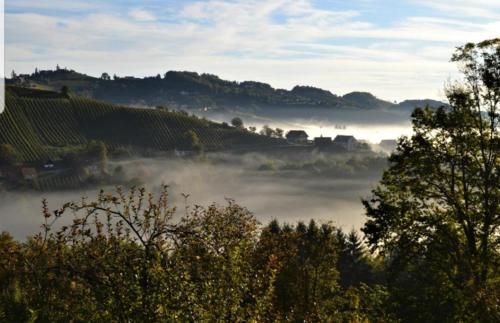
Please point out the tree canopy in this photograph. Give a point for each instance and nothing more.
(237, 122)
(435, 215)
(133, 257)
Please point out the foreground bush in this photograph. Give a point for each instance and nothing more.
(129, 257)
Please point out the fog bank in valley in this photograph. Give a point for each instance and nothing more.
(372, 126)
(286, 196)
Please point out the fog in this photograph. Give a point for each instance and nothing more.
(371, 133)
(372, 126)
(286, 196)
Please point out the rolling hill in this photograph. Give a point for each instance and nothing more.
(190, 90)
(39, 124)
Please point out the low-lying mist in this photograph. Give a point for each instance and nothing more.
(270, 188)
(370, 125)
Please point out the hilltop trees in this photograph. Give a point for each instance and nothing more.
(270, 132)
(436, 213)
(237, 122)
(279, 133)
(267, 131)
(105, 77)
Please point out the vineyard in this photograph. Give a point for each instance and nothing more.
(36, 123)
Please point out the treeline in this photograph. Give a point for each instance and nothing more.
(124, 258)
(193, 90)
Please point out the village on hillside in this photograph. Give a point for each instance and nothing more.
(341, 143)
(61, 173)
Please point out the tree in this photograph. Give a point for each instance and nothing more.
(237, 122)
(192, 141)
(103, 156)
(97, 151)
(267, 131)
(436, 213)
(354, 265)
(65, 90)
(128, 257)
(105, 76)
(307, 277)
(278, 133)
(252, 129)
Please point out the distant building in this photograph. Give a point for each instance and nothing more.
(322, 142)
(29, 173)
(349, 143)
(297, 136)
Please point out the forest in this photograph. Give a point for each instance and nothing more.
(429, 250)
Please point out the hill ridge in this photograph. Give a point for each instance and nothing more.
(184, 89)
(38, 124)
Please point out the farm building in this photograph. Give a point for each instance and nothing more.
(322, 142)
(349, 143)
(297, 136)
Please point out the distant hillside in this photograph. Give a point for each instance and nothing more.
(365, 99)
(411, 104)
(189, 90)
(38, 124)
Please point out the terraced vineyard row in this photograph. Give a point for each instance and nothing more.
(16, 129)
(60, 182)
(34, 121)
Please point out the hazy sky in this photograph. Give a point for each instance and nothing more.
(394, 49)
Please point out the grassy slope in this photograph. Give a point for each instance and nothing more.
(35, 122)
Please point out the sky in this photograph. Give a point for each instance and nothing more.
(395, 49)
